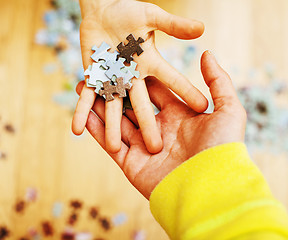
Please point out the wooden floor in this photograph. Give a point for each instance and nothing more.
(43, 153)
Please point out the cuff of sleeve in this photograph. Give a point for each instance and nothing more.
(213, 189)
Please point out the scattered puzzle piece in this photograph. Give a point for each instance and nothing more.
(9, 128)
(2, 155)
(57, 209)
(47, 229)
(109, 89)
(126, 51)
(119, 219)
(31, 194)
(4, 232)
(72, 219)
(76, 204)
(20, 206)
(68, 236)
(139, 235)
(93, 212)
(105, 223)
(102, 53)
(83, 236)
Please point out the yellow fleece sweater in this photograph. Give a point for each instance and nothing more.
(218, 194)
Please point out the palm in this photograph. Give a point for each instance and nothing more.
(112, 24)
(145, 170)
(184, 132)
(106, 26)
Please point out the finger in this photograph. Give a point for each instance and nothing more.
(79, 87)
(145, 115)
(84, 105)
(97, 130)
(113, 117)
(127, 126)
(99, 104)
(159, 94)
(180, 85)
(129, 113)
(173, 25)
(218, 81)
(128, 129)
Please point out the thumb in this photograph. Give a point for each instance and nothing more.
(219, 82)
(173, 25)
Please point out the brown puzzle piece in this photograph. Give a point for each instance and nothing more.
(108, 89)
(133, 46)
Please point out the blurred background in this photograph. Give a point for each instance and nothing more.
(55, 185)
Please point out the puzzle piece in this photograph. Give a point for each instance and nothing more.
(131, 69)
(121, 87)
(117, 70)
(114, 68)
(98, 86)
(129, 49)
(102, 53)
(96, 72)
(108, 89)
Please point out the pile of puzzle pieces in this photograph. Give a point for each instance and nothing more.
(108, 74)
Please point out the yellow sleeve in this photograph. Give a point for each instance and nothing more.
(218, 194)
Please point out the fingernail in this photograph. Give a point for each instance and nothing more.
(212, 55)
(209, 52)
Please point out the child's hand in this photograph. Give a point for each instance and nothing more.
(112, 21)
(184, 132)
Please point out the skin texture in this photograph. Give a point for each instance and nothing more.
(112, 21)
(184, 131)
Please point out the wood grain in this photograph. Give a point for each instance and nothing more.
(44, 154)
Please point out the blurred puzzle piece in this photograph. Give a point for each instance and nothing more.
(31, 194)
(93, 212)
(83, 236)
(20, 206)
(126, 51)
(4, 232)
(57, 209)
(105, 223)
(2, 155)
(119, 219)
(76, 204)
(47, 229)
(9, 128)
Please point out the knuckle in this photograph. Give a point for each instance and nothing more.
(242, 113)
(233, 106)
(151, 14)
(172, 23)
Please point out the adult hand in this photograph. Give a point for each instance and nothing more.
(112, 21)
(184, 131)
